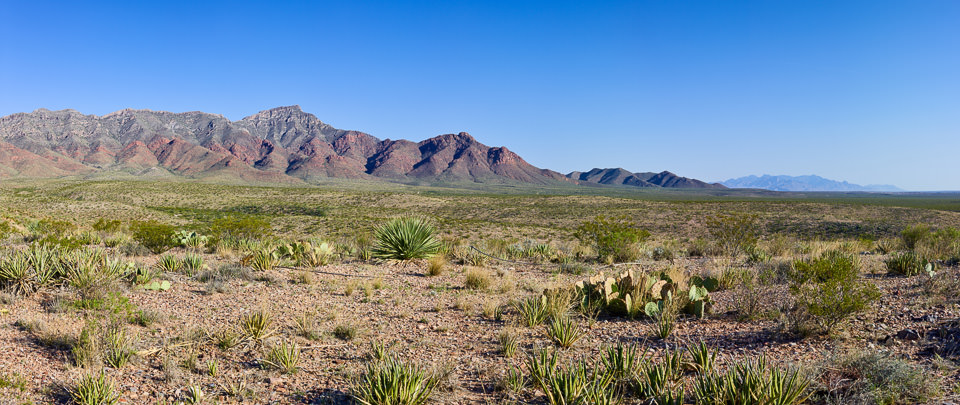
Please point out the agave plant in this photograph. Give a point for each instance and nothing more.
(406, 238)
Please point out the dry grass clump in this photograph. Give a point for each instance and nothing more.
(476, 278)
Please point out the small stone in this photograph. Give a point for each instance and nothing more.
(908, 334)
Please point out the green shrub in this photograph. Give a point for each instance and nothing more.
(153, 235)
(615, 238)
(827, 291)
(107, 225)
(393, 382)
(912, 235)
(232, 227)
(733, 233)
(406, 238)
(905, 264)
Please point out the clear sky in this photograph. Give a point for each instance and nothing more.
(864, 91)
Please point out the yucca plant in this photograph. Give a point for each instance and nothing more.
(702, 359)
(663, 324)
(393, 382)
(194, 395)
(406, 238)
(577, 383)
(192, 263)
(564, 332)
(46, 263)
(95, 390)
(905, 264)
(263, 260)
(117, 348)
(257, 325)
(508, 342)
(514, 380)
(168, 263)
(787, 387)
(316, 256)
(284, 357)
(533, 310)
(621, 360)
(16, 273)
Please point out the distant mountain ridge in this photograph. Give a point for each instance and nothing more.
(802, 183)
(622, 177)
(282, 144)
(279, 145)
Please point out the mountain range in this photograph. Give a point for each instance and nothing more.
(284, 144)
(802, 183)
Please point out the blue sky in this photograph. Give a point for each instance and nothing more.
(864, 91)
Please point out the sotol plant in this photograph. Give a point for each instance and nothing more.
(406, 238)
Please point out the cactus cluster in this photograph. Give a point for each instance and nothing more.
(631, 293)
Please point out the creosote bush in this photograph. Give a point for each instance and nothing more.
(153, 235)
(828, 290)
(615, 238)
(406, 238)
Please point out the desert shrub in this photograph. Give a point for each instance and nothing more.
(406, 238)
(942, 244)
(733, 233)
(5, 230)
(827, 290)
(393, 382)
(875, 378)
(107, 225)
(912, 235)
(615, 238)
(905, 264)
(233, 227)
(153, 235)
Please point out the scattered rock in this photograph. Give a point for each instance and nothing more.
(908, 334)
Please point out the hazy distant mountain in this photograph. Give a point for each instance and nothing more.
(623, 177)
(283, 144)
(802, 183)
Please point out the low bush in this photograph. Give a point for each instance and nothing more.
(828, 290)
(875, 378)
(153, 235)
(613, 238)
